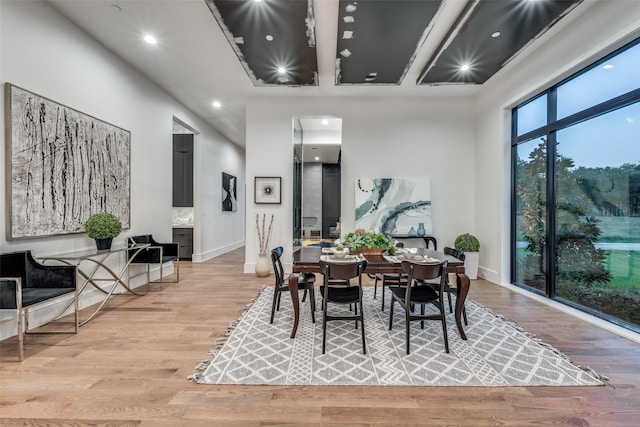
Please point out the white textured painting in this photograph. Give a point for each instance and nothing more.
(65, 166)
(400, 206)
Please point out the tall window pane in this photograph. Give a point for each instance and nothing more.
(531, 115)
(530, 218)
(612, 78)
(598, 214)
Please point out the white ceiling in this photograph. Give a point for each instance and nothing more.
(194, 62)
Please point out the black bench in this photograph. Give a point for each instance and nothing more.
(25, 284)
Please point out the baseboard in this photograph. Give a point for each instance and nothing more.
(205, 256)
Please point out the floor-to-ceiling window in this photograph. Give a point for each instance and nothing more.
(576, 190)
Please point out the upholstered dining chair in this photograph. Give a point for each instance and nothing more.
(155, 253)
(333, 291)
(417, 292)
(305, 281)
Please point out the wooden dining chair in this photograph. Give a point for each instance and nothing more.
(334, 292)
(305, 281)
(417, 292)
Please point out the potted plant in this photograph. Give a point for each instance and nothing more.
(103, 227)
(341, 251)
(368, 242)
(470, 245)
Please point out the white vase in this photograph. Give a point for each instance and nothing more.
(263, 266)
(471, 264)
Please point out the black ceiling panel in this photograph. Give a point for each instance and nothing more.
(288, 23)
(385, 37)
(470, 40)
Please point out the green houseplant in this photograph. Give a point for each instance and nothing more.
(363, 241)
(470, 245)
(103, 227)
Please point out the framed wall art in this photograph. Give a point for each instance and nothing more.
(65, 166)
(229, 192)
(267, 189)
(394, 205)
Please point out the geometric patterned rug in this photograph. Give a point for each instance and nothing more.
(497, 352)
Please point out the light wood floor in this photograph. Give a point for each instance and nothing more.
(129, 367)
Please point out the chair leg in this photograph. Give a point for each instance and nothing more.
(312, 298)
(444, 329)
(449, 298)
(391, 313)
(278, 306)
(324, 326)
(407, 323)
(364, 345)
(273, 304)
(464, 315)
(422, 314)
(375, 287)
(382, 292)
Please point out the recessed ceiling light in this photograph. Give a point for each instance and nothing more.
(465, 67)
(608, 66)
(348, 19)
(496, 34)
(216, 104)
(325, 122)
(317, 158)
(345, 52)
(269, 37)
(150, 39)
(282, 70)
(347, 35)
(350, 8)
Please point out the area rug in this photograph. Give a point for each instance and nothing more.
(497, 352)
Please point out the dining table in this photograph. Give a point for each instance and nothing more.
(307, 260)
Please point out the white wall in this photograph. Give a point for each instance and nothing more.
(384, 137)
(43, 52)
(606, 25)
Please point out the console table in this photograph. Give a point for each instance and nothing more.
(427, 239)
(97, 262)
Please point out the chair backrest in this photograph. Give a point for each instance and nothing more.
(277, 265)
(425, 272)
(141, 239)
(454, 253)
(14, 265)
(342, 270)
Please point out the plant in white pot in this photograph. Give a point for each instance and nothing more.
(470, 245)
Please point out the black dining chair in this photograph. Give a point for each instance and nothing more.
(451, 289)
(417, 292)
(333, 291)
(305, 281)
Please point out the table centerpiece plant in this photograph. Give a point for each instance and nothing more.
(362, 241)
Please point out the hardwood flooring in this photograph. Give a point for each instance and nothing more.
(129, 367)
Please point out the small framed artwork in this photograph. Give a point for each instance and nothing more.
(229, 192)
(267, 189)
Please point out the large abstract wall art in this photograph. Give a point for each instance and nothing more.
(400, 206)
(65, 166)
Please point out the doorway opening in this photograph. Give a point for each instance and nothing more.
(317, 143)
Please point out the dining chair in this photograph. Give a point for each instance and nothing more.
(305, 281)
(336, 293)
(417, 292)
(451, 289)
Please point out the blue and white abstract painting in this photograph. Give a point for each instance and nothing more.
(400, 206)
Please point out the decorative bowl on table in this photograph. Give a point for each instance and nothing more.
(409, 254)
(341, 252)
